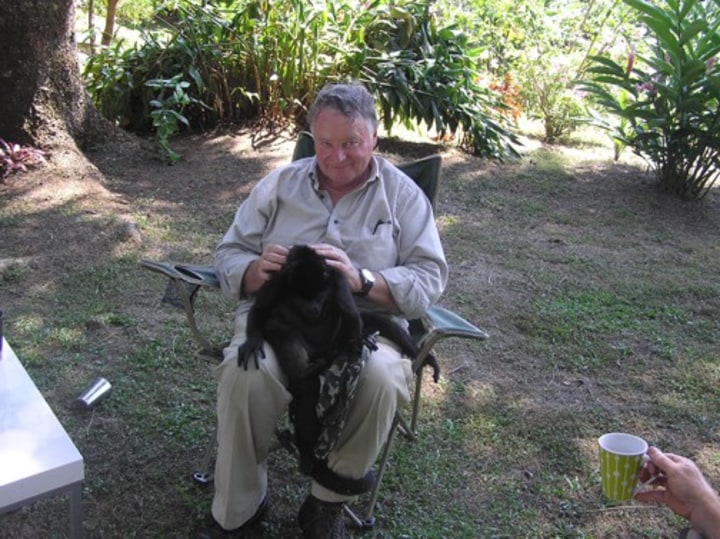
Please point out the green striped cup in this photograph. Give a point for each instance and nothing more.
(621, 456)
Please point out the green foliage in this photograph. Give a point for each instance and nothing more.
(543, 45)
(286, 50)
(132, 12)
(667, 100)
(424, 72)
(117, 77)
(256, 59)
(560, 38)
(549, 96)
(167, 115)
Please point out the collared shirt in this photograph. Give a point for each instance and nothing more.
(386, 225)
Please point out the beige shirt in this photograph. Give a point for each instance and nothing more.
(386, 225)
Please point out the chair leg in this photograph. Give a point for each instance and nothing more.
(205, 347)
(368, 521)
(204, 476)
(404, 429)
(416, 402)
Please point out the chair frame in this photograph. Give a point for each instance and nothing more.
(437, 324)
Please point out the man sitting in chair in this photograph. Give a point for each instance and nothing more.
(372, 223)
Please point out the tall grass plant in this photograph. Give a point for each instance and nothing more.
(666, 101)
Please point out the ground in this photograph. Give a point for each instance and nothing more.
(76, 215)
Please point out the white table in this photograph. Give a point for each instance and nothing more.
(37, 457)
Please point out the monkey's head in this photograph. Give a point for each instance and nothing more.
(308, 280)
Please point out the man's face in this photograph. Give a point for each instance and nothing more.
(344, 147)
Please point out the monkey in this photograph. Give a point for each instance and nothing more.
(307, 314)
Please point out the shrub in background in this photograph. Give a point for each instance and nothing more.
(424, 72)
(543, 45)
(668, 99)
(560, 36)
(167, 115)
(257, 59)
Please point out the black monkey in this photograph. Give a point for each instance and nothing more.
(307, 314)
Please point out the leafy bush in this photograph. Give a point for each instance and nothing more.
(549, 96)
(249, 59)
(667, 100)
(135, 12)
(544, 45)
(427, 73)
(167, 117)
(117, 76)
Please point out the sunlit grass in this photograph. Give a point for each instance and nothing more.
(602, 315)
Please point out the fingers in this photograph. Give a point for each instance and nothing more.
(274, 255)
(260, 353)
(329, 252)
(335, 257)
(662, 461)
(272, 259)
(649, 477)
(647, 471)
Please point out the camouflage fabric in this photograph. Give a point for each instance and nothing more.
(337, 388)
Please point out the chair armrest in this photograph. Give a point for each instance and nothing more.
(439, 323)
(201, 275)
(184, 281)
(445, 323)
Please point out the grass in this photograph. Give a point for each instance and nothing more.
(600, 295)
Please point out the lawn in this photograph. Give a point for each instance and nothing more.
(601, 296)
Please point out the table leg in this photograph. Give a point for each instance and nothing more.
(76, 515)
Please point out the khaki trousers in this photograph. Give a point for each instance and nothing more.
(251, 402)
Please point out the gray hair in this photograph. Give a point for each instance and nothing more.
(352, 100)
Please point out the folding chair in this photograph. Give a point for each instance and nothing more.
(438, 323)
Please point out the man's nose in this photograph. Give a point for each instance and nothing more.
(339, 153)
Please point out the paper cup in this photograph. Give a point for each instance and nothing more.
(621, 456)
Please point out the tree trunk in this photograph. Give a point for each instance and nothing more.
(109, 22)
(91, 24)
(43, 101)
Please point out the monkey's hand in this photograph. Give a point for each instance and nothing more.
(250, 349)
(432, 361)
(371, 341)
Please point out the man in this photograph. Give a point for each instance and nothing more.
(374, 225)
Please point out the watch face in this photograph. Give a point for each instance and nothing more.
(367, 280)
(367, 276)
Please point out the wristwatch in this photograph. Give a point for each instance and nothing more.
(367, 281)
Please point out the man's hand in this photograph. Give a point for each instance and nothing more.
(270, 260)
(683, 488)
(338, 259)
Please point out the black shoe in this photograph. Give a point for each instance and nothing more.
(213, 530)
(321, 520)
